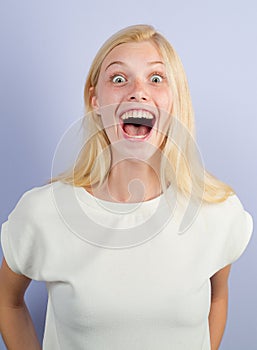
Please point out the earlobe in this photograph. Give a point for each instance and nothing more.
(94, 100)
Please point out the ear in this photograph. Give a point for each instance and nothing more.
(94, 99)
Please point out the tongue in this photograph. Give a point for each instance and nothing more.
(133, 130)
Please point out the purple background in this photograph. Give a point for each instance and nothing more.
(46, 50)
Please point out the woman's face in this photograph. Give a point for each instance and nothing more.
(134, 99)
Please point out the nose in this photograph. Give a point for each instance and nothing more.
(138, 92)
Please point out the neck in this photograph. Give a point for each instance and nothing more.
(131, 180)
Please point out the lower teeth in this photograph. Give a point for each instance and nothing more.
(137, 136)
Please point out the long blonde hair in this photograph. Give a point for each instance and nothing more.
(179, 162)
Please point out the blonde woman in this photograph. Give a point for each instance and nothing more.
(135, 241)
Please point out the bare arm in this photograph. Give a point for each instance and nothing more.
(219, 305)
(16, 325)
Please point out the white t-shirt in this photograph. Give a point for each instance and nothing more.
(121, 275)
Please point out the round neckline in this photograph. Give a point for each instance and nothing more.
(114, 225)
(87, 198)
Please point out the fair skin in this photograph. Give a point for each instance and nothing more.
(16, 325)
(132, 77)
(219, 306)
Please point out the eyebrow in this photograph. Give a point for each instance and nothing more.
(123, 64)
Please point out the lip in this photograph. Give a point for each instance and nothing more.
(131, 138)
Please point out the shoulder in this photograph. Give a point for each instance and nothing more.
(199, 214)
(35, 201)
(229, 216)
(228, 209)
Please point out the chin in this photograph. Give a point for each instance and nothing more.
(135, 151)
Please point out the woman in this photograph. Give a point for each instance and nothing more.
(120, 271)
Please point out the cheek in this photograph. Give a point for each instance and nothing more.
(165, 101)
(107, 96)
(108, 117)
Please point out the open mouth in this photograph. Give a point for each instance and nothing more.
(137, 123)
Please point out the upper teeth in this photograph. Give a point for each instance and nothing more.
(137, 114)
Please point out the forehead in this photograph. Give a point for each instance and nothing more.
(144, 50)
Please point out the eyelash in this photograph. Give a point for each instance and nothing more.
(159, 74)
(116, 75)
(121, 75)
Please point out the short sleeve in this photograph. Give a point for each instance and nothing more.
(231, 227)
(19, 238)
(241, 229)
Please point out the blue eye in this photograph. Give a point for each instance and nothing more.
(118, 79)
(156, 78)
